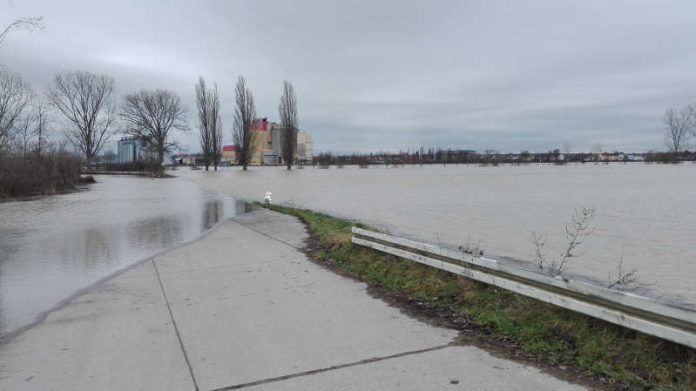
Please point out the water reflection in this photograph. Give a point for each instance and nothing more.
(52, 247)
(89, 248)
(158, 232)
(242, 207)
(211, 213)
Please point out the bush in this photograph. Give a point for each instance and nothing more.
(54, 172)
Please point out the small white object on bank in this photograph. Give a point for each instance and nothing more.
(267, 198)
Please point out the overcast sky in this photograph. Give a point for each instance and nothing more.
(383, 75)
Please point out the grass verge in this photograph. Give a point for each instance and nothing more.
(558, 338)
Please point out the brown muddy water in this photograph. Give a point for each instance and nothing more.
(51, 247)
(646, 214)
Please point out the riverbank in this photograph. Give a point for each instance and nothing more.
(519, 327)
(81, 184)
(148, 174)
(244, 308)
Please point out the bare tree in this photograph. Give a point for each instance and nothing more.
(24, 130)
(30, 129)
(692, 118)
(204, 128)
(209, 123)
(678, 128)
(84, 98)
(151, 115)
(28, 23)
(15, 95)
(216, 127)
(244, 115)
(42, 119)
(289, 123)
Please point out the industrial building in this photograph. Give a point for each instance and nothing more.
(131, 149)
(268, 146)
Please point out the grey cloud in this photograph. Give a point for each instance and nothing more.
(503, 75)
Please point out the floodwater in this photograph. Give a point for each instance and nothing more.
(645, 213)
(50, 247)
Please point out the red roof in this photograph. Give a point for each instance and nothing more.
(229, 148)
(260, 125)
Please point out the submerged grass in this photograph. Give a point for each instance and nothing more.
(546, 333)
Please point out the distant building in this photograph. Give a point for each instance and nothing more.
(263, 143)
(136, 149)
(268, 145)
(305, 148)
(612, 157)
(131, 149)
(635, 157)
(229, 153)
(184, 159)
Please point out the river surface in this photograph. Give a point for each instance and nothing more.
(645, 214)
(51, 247)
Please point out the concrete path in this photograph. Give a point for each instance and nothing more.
(243, 308)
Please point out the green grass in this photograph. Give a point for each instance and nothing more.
(544, 332)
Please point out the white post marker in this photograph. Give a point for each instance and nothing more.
(267, 197)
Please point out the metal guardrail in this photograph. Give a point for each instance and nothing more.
(621, 308)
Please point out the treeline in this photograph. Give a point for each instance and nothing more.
(670, 157)
(31, 163)
(34, 158)
(459, 156)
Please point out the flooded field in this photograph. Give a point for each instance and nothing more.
(646, 214)
(51, 247)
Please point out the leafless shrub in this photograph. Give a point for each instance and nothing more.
(471, 248)
(539, 241)
(147, 166)
(626, 280)
(580, 227)
(56, 171)
(577, 230)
